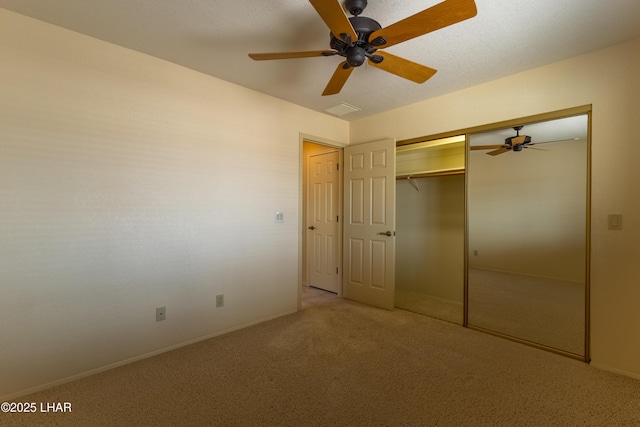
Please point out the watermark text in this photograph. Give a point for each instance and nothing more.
(26, 407)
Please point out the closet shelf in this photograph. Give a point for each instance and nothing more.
(431, 173)
(431, 158)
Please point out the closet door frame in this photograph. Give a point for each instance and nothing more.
(575, 111)
(570, 112)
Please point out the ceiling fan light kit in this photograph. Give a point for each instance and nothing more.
(358, 38)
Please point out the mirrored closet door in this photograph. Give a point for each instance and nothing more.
(527, 211)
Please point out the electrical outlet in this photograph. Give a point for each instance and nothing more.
(220, 300)
(161, 313)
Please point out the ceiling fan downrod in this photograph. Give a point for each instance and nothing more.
(357, 51)
(355, 7)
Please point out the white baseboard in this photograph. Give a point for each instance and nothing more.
(635, 375)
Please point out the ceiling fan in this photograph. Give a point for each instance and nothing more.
(358, 38)
(514, 143)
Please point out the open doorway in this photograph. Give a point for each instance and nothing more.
(321, 218)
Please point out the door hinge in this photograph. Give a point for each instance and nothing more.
(336, 270)
(337, 218)
(338, 166)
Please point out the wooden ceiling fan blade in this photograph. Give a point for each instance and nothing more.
(442, 15)
(499, 151)
(557, 140)
(486, 147)
(338, 79)
(333, 15)
(518, 139)
(403, 67)
(290, 55)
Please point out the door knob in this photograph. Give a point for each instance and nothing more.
(387, 233)
(312, 228)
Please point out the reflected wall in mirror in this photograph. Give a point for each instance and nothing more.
(527, 232)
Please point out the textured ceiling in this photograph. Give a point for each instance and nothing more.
(215, 36)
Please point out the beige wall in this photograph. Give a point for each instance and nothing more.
(128, 183)
(607, 79)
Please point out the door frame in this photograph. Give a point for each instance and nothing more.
(302, 209)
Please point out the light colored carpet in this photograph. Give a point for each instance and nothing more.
(345, 364)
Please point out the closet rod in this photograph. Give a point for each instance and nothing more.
(429, 174)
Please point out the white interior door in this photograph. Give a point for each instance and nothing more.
(323, 238)
(369, 225)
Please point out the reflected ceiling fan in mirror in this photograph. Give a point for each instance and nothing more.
(514, 143)
(358, 38)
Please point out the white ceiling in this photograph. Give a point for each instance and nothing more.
(215, 36)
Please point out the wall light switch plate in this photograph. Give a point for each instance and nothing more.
(278, 216)
(615, 222)
(161, 313)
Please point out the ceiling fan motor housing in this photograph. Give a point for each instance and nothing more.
(357, 51)
(517, 147)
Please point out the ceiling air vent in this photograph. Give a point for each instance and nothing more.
(342, 109)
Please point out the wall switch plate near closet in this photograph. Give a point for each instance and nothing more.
(615, 222)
